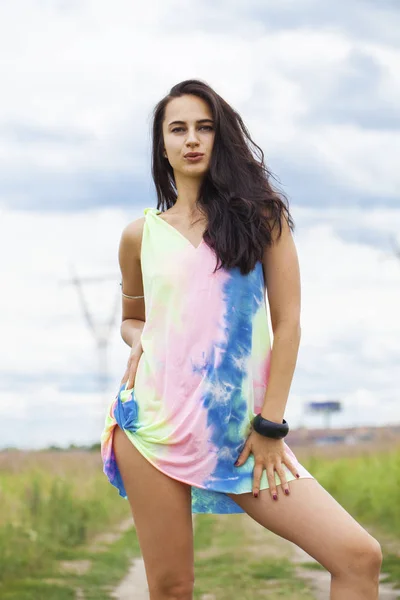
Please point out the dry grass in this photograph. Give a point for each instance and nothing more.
(51, 501)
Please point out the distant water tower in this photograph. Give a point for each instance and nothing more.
(326, 408)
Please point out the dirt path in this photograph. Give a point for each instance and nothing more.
(320, 580)
(134, 584)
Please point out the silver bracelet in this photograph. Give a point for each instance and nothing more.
(126, 295)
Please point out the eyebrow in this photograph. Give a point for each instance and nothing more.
(184, 122)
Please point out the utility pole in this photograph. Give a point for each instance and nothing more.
(396, 246)
(100, 331)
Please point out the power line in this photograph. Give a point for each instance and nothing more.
(100, 331)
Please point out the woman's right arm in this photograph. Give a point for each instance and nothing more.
(133, 310)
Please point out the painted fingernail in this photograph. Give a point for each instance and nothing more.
(287, 492)
(275, 497)
(255, 494)
(297, 475)
(236, 463)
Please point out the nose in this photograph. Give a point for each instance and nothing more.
(191, 137)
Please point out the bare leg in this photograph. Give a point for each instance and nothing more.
(161, 509)
(312, 519)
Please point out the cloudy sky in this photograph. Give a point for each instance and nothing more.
(319, 89)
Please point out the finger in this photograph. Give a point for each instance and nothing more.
(131, 370)
(125, 381)
(291, 467)
(243, 456)
(132, 375)
(124, 378)
(257, 472)
(271, 481)
(282, 477)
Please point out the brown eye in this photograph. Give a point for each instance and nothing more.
(203, 127)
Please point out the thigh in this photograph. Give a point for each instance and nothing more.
(312, 519)
(161, 509)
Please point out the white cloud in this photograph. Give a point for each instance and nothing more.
(350, 328)
(79, 82)
(361, 160)
(90, 75)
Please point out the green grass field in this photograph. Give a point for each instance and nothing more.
(367, 485)
(54, 503)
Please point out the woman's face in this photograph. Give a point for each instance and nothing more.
(194, 132)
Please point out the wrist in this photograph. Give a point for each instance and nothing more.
(273, 408)
(275, 417)
(268, 428)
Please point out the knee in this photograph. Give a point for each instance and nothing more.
(169, 588)
(364, 559)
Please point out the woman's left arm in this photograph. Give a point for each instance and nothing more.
(282, 280)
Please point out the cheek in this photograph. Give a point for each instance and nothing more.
(169, 140)
(210, 145)
(174, 148)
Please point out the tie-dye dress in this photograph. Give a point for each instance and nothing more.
(203, 372)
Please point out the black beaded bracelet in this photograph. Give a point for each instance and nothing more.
(270, 429)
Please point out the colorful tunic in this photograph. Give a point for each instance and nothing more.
(203, 372)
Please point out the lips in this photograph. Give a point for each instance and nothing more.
(193, 154)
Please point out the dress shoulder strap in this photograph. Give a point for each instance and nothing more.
(151, 209)
(155, 236)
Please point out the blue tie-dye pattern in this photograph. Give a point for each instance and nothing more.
(243, 295)
(114, 476)
(126, 415)
(126, 410)
(208, 501)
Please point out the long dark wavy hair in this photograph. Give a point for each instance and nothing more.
(241, 206)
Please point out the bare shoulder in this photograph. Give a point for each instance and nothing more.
(131, 238)
(132, 233)
(131, 270)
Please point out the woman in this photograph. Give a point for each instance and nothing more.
(195, 427)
